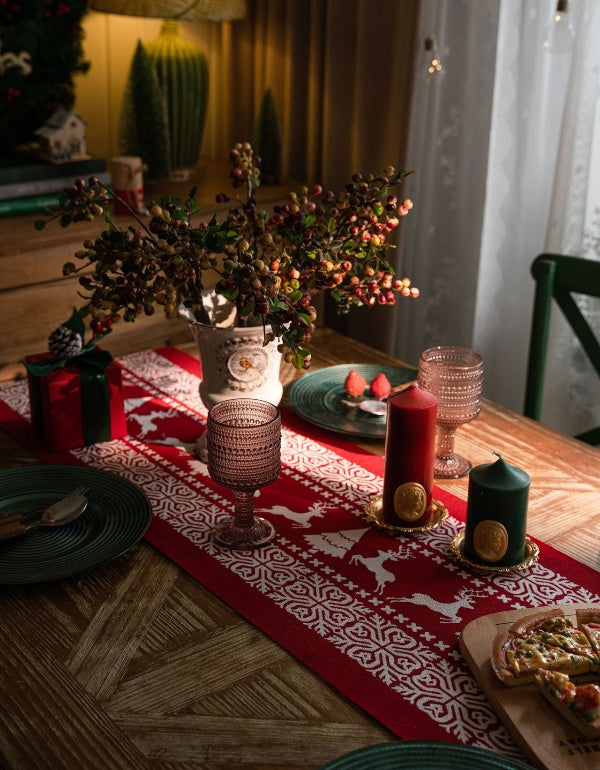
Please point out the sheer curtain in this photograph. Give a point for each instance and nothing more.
(573, 402)
(538, 179)
(505, 142)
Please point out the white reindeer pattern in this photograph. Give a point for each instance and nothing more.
(147, 422)
(375, 565)
(463, 599)
(300, 519)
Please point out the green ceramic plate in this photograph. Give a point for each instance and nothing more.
(317, 397)
(117, 515)
(424, 755)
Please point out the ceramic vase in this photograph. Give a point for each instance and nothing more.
(236, 364)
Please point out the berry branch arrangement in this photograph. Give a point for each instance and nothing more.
(269, 265)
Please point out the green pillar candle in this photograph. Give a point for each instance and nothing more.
(496, 514)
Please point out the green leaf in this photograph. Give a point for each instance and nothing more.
(277, 305)
(231, 293)
(399, 176)
(248, 309)
(75, 323)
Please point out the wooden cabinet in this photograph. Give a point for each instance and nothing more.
(35, 298)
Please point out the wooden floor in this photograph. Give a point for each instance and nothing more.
(135, 665)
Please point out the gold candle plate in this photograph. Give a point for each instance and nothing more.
(532, 554)
(374, 512)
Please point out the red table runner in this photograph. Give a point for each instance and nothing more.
(376, 616)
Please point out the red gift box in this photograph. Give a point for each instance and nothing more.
(76, 406)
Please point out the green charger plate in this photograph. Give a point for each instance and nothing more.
(424, 755)
(117, 516)
(317, 397)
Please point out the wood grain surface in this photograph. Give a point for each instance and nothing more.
(136, 665)
(545, 737)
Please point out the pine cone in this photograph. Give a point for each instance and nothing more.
(65, 343)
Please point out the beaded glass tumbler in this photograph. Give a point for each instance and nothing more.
(455, 376)
(244, 454)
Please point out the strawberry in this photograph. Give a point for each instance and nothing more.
(355, 384)
(380, 387)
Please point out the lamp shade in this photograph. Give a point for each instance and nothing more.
(181, 10)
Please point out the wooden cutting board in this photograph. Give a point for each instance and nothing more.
(545, 738)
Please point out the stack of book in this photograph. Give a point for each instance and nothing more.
(27, 186)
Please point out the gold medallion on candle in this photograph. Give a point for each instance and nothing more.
(490, 540)
(410, 501)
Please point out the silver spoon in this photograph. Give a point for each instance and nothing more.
(14, 523)
(370, 405)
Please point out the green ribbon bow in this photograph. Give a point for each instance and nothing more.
(90, 358)
(95, 394)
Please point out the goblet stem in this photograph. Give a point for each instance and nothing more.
(445, 442)
(244, 509)
(244, 531)
(448, 465)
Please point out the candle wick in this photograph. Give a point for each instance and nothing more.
(404, 386)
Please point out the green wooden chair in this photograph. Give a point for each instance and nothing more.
(558, 277)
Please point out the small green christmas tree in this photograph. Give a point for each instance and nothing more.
(268, 140)
(144, 128)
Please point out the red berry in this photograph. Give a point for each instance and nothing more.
(380, 387)
(355, 384)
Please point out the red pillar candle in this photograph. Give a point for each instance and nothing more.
(409, 457)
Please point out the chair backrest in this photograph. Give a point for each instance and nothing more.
(557, 278)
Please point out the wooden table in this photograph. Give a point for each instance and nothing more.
(83, 659)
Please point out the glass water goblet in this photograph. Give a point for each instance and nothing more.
(244, 454)
(455, 376)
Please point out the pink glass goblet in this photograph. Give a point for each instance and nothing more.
(244, 454)
(455, 376)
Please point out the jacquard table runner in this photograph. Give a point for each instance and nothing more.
(376, 616)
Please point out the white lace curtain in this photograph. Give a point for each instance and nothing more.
(503, 149)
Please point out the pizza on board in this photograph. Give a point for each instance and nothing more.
(545, 640)
(579, 704)
(588, 620)
(548, 649)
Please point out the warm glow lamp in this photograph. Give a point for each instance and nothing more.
(179, 10)
(434, 69)
(181, 66)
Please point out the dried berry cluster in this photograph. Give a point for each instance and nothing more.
(269, 265)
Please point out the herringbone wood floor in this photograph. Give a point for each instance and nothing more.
(135, 665)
